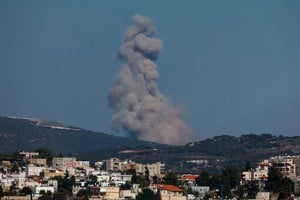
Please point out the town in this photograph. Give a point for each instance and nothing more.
(31, 175)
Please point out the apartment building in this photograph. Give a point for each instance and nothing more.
(288, 165)
(64, 163)
(155, 169)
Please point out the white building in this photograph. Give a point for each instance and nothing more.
(32, 170)
(202, 190)
(38, 190)
(259, 173)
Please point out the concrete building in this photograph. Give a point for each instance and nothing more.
(83, 164)
(112, 164)
(64, 163)
(155, 169)
(288, 165)
(37, 161)
(32, 170)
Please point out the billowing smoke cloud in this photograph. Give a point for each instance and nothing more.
(139, 108)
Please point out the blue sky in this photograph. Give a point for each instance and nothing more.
(233, 66)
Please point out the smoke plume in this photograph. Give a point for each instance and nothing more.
(139, 108)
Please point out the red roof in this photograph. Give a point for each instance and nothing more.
(171, 188)
(188, 177)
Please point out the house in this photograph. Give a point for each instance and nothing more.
(170, 192)
(259, 173)
(188, 179)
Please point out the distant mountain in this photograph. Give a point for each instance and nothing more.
(212, 154)
(215, 153)
(28, 134)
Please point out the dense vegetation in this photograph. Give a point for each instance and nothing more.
(22, 134)
(219, 151)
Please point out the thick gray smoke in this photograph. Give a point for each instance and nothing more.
(139, 107)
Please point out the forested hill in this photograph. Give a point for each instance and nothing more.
(215, 153)
(18, 134)
(27, 134)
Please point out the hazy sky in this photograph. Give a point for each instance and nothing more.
(233, 66)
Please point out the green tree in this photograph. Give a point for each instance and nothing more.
(279, 184)
(81, 193)
(1, 192)
(248, 190)
(215, 181)
(203, 179)
(171, 179)
(211, 180)
(147, 176)
(125, 186)
(42, 193)
(65, 184)
(206, 197)
(142, 181)
(14, 168)
(285, 188)
(47, 198)
(48, 193)
(155, 179)
(148, 194)
(134, 178)
(68, 183)
(274, 176)
(93, 179)
(45, 152)
(27, 190)
(230, 180)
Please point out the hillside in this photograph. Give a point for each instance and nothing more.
(27, 134)
(211, 154)
(215, 153)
